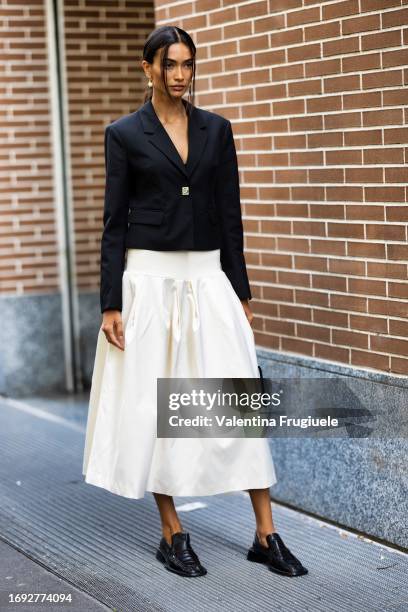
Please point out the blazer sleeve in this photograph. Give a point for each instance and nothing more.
(115, 219)
(229, 210)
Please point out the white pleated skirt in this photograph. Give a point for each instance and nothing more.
(181, 318)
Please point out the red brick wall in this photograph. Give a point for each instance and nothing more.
(28, 233)
(316, 93)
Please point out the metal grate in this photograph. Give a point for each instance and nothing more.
(105, 544)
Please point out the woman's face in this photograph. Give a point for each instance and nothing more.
(178, 67)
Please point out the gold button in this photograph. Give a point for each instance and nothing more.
(185, 191)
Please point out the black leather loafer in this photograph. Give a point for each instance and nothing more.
(180, 557)
(276, 556)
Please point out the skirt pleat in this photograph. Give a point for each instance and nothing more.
(181, 318)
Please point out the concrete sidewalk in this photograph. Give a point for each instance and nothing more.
(100, 547)
(20, 574)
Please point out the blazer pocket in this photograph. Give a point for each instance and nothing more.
(151, 217)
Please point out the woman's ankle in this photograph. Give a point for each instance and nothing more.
(168, 531)
(262, 533)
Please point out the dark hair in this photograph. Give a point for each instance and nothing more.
(163, 37)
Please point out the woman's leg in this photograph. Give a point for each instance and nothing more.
(261, 504)
(168, 515)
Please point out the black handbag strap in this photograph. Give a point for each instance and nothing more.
(261, 379)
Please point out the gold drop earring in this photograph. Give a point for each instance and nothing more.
(150, 84)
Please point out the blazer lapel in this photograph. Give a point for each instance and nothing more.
(157, 135)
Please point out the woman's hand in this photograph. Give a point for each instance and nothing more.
(247, 310)
(112, 328)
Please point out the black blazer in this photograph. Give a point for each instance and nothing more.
(155, 201)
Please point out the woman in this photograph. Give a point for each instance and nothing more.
(174, 298)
